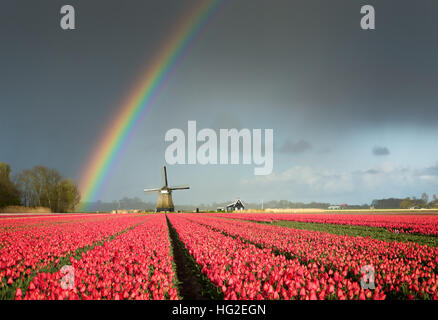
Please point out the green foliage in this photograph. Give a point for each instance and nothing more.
(406, 203)
(434, 202)
(45, 187)
(9, 193)
(424, 198)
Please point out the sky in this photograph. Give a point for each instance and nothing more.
(354, 112)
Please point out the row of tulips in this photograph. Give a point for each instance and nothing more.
(18, 222)
(242, 270)
(135, 265)
(28, 250)
(413, 224)
(401, 270)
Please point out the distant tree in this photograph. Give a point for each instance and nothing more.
(68, 196)
(24, 183)
(434, 202)
(5, 170)
(45, 187)
(49, 182)
(9, 193)
(425, 198)
(406, 203)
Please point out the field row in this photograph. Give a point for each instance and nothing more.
(135, 265)
(401, 270)
(111, 257)
(357, 231)
(410, 224)
(132, 257)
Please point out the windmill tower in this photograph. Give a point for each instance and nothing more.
(165, 202)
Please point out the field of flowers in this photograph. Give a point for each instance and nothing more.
(135, 265)
(411, 224)
(241, 270)
(132, 256)
(401, 270)
(103, 250)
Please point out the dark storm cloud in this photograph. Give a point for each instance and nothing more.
(380, 151)
(295, 147)
(309, 59)
(344, 75)
(303, 68)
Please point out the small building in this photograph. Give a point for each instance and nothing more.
(236, 205)
(334, 207)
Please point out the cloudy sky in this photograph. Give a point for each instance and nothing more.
(354, 112)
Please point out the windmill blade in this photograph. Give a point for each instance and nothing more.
(179, 187)
(152, 190)
(164, 176)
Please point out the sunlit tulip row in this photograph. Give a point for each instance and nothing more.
(29, 249)
(242, 270)
(420, 224)
(401, 270)
(130, 257)
(135, 265)
(17, 221)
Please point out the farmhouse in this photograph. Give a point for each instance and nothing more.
(236, 205)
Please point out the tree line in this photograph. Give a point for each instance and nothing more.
(407, 203)
(137, 203)
(422, 202)
(9, 193)
(390, 203)
(37, 187)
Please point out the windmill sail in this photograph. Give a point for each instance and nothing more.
(164, 176)
(183, 187)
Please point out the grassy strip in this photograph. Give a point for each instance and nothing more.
(208, 289)
(8, 292)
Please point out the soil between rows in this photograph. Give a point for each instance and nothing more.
(189, 285)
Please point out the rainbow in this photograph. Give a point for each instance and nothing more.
(140, 99)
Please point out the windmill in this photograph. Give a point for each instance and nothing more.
(165, 202)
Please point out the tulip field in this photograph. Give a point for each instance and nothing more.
(112, 257)
(411, 224)
(229, 256)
